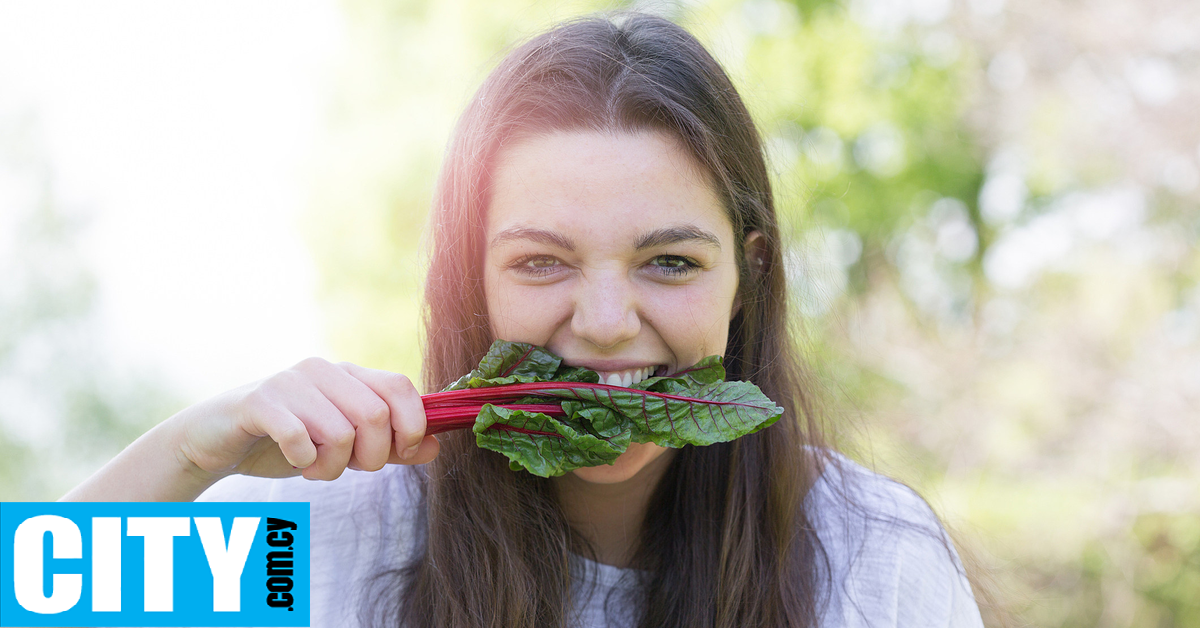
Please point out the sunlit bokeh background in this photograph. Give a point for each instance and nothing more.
(992, 208)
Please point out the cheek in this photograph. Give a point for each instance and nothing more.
(521, 313)
(495, 301)
(503, 314)
(695, 315)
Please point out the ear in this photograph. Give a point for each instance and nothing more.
(755, 250)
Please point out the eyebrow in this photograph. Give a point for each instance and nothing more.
(672, 235)
(541, 236)
(658, 237)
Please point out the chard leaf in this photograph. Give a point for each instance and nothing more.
(520, 363)
(692, 407)
(711, 413)
(601, 421)
(544, 446)
(707, 371)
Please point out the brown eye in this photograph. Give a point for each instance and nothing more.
(535, 265)
(675, 265)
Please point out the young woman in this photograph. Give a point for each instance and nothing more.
(605, 196)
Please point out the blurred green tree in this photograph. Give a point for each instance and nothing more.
(66, 410)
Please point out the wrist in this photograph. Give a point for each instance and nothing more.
(170, 438)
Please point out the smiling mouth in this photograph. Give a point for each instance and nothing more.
(628, 377)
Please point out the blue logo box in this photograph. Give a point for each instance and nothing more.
(154, 564)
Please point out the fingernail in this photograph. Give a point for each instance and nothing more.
(410, 452)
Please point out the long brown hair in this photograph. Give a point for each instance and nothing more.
(726, 541)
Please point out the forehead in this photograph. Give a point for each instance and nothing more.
(592, 184)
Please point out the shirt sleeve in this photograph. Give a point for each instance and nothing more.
(890, 561)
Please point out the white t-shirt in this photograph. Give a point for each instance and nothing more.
(891, 562)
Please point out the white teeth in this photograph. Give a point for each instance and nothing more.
(626, 378)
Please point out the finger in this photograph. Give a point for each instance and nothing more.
(363, 408)
(402, 398)
(329, 430)
(426, 452)
(289, 432)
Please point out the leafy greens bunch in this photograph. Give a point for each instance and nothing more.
(549, 418)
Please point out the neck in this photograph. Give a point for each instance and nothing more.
(609, 515)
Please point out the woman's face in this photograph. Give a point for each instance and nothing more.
(614, 252)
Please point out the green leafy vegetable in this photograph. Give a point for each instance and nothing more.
(549, 418)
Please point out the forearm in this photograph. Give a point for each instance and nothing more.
(152, 468)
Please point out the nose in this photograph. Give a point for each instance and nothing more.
(606, 310)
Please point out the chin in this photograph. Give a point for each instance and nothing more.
(638, 458)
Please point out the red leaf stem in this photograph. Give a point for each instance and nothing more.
(461, 415)
(518, 391)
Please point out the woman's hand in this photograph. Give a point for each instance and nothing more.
(315, 419)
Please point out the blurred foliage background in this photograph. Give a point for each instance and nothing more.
(992, 207)
(64, 409)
